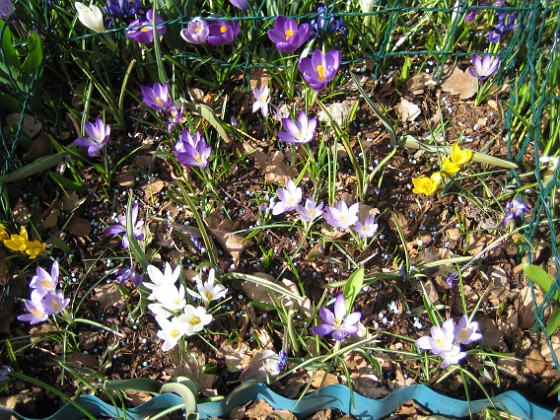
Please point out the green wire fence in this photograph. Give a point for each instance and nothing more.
(529, 55)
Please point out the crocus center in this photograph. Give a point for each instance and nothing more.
(223, 29)
(337, 322)
(54, 304)
(440, 342)
(45, 283)
(289, 33)
(36, 312)
(174, 333)
(321, 72)
(194, 320)
(198, 158)
(99, 137)
(159, 101)
(197, 29)
(464, 333)
(209, 295)
(145, 29)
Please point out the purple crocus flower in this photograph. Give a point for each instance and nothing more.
(367, 229)
(453, 356)
(282, 361)
(289, 198)
(98, 137)
(54, 302)
(441, 340)
(141, 30)
(300, 132)
(125, 275)
(6, 9)
(192, 150)
(466, 332)
(121, 9)
(35, 312)
(485, 66)
(516, 208)
(196, 31)
(240, 4)
(451, 279)
(337, 323)
(320, 68)
(262, 99)
(221, 32)
(341, 216)
(506, 23)
(43, 282)
(310, 211)
(174, 116)
(327, 23)
(157, 97)
(5, 370)
(286, 34)
(120, 228)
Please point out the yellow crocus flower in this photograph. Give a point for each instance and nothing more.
(3, 234)
(17, 242)
(425, 185)
(449, 167)
(460, 156)
(35, 248)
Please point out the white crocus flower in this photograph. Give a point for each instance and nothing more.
(91, 17)
(170, 297)
(171, 331)
(194, 319)
(208, 291)
(366, 5)
(168, 278)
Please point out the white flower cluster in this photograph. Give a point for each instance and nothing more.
(175, 317)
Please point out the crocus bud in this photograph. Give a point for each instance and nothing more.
(91, 17)
(6, 8)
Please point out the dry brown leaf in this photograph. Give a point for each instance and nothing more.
(407, 111)
(491, 335)
(271, 164)
(41, 146)
(259, 293)
(79, 226)
(338, 112)
(499, 277)
(50, 218)
(322, 379)
(258, 410)
(524, 307)
(259, 77)
(135, 398)
(108, 295)
(418, 83)
(31, 125)
(222, 229)
(460, 83)
(153, 188)
(236, 355)
(534, 363)
(192, 366)
(259, 368)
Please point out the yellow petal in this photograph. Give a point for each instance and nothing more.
(449, 167)
(460, 156)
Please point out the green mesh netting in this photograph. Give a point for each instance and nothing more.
(529, 59)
